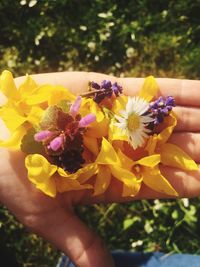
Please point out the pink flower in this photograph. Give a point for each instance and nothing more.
(42, 135)
(85, 121)
(56, 143)
(75, 106)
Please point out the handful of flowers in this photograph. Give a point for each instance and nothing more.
(83, 142)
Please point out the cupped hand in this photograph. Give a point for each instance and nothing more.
(54, 219)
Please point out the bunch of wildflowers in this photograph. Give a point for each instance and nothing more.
(77, 143)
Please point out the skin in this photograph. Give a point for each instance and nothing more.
(54, 219)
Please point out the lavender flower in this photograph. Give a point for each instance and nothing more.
(106, 89)
(56, 143)
(75, 106)
(161, 108)
(42, 135)
(85, 121)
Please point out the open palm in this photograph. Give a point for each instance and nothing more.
(54, 219)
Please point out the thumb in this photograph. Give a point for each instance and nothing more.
(68, 233)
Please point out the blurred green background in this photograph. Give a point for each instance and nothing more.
(124, 38)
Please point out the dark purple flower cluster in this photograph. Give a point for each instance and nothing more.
(160, 108)
(106, 89)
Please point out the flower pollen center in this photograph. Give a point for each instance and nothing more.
(133, 122)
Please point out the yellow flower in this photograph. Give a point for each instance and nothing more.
(51, 179)
(109, 164)
(99, 128)
(147, 169)
(16, 111)
(25, 105)
(40, 173)
(171, 155)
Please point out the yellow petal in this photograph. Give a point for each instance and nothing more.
(14, 141)
(83, 174)
(126, 162)
(91, 144)
(171, 122)
(64, 173)
(102, 181)
(40, 172)
(41, 95)
(87, 172)
(98, 129)
(116, 133)
(107, 154)
(119, 104)
(7, 85)
(151, 144)
(149, 161)
(59, 93)
(130, 190)
(50, 94)
(156, 181)
(172, 155)
(11, 118)
(66, 184)
(27, 87)
(149, 89)
(89, 106)
(130, 181)
(35, 115)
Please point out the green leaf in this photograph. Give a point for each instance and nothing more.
(29, 145)
(49, 120)
(130, 221)
(55, 119)
(64, 105)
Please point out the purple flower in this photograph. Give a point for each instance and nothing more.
(161, 108)
(106, 89)
(95, 85)
(42, 135)
(85, 121)
(106, 84)
(56, 143)
(75, 106)
(117, 89)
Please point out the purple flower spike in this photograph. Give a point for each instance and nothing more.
(56, 143)
(105, 90)
(85, 121)
(95, 85)
(170, 101)
(117, 89)
(75, 106)
(106, 84)
(161, 108)
(42, 136)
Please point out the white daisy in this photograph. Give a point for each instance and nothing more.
(133, 122)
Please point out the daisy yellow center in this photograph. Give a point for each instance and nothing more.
(133, 122)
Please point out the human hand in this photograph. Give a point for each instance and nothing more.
(54, 219)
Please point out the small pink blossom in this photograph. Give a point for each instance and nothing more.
(85, 121)
(42, 135)
(75, 106)
(56, 143)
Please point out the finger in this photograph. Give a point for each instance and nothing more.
(187, 119)
(185, 92)
(75, 81)
(186, 184)
(188, 142)
(69, 234)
